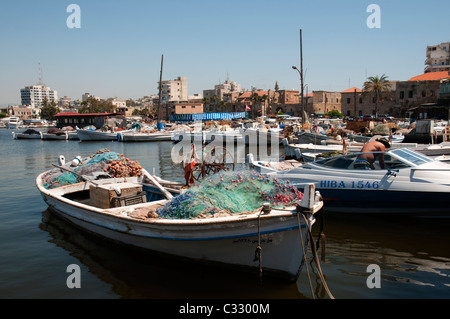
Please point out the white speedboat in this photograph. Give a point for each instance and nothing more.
(412, 183)
(126, 211)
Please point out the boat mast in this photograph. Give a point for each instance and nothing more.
(160, 87)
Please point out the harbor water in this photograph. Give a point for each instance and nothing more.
(409, 257)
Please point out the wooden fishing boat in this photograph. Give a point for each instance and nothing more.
(125, 210)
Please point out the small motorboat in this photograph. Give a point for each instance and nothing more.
(27, 134)
(135, 210)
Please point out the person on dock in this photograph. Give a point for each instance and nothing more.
(366, 160)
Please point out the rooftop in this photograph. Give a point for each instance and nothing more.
(352, 90)
(431, 76)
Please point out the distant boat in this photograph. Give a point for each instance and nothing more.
(54, 133)
(13, 122)
(28, 134)
(95, 135)
(144, 137)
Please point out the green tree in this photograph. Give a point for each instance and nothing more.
(334, 113)
(377, 87)
(49, 109)
(97, 106)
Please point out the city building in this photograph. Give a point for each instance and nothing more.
(34, 95)
(289, 96)
(174, 90)
(324, 102)
(438, 58)
(419, 96)
(351, 101)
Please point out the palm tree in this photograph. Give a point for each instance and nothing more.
(377, 87)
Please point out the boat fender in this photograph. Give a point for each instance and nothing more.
(61, 160)
(76, 161)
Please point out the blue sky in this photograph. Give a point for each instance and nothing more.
(117, 51)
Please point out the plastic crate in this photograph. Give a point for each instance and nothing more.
(129, 200)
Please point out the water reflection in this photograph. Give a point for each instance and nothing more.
(411, 252)
(135, 274)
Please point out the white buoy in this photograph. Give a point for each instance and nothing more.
(61, 160)
(76, 161)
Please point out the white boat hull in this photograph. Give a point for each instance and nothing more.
(88, 135)
(47, 136)
(145, 137)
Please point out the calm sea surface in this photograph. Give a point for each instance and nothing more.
(36, 246)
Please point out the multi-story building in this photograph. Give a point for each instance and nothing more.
(289, 96)
(174, 90)
(220, 90)
(418, 97)
(438, 58)
(324, 102)
(355, 103)
(34, 95)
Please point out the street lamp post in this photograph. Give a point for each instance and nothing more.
(301, 93)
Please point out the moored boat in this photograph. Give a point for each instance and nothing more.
(411, 183)
(27, 134)
(98, 135)
(128, 210)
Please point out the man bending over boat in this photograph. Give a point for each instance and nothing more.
(366, 160)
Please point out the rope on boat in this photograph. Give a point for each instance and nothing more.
(258, 255)
(304, 252)
(316, 259)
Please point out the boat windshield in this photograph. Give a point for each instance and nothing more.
(394, 159)
(411, 156)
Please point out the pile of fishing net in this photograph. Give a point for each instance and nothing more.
(103, 164)
(231, 192)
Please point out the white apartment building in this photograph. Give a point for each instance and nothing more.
(221, 89)
(438, 58)
(34, 95)
(174, 90)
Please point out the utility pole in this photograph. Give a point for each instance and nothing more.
(301, 78)
(160, 87)
(354, 104)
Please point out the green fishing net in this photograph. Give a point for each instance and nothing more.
(231, 192)
(102, 164)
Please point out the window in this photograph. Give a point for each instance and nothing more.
(410, 94)
(402, 95)
(183, 106)
(424, 93)
(348, 100)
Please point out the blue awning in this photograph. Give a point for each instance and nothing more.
(207, 116)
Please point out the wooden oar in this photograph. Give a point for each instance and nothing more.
(167, 194)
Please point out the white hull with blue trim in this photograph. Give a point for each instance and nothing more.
(229, 240)
(411, 183)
